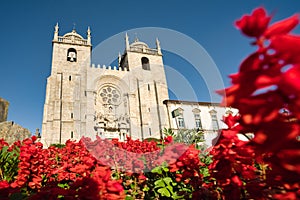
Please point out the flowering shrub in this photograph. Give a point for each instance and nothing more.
(266, 167)
(70, 173)
(266, 92)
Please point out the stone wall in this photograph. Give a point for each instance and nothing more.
(12, 132)
(3, 109)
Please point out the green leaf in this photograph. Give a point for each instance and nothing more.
(157, 170)
(9, 163)
(167, 180)
(129, 198)
(164, 192)
(159, 183)
(205, 172)
(175, 196)
(146, 189)
(170, 188)
(166, 169)
(185, 189)
(63, 185)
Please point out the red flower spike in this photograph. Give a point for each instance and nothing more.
(282, 27)
(231, 120)
(290, 81)
(254, 25)
(286, 48)
(236, 180)
(33, 138)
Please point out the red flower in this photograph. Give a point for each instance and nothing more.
(282, 27)
(236, 180)
(290, 81)
(4, 184)
(231, 120)
(286, 48)
(254, 25)
(168, 139)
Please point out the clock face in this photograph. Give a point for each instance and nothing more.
(110, 95)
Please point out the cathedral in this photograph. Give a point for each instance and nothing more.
(131, 99)
(111, 102)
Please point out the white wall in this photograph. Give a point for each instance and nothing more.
(209, 133)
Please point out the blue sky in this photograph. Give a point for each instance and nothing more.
(27, 31)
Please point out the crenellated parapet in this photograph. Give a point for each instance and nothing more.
(108, 68)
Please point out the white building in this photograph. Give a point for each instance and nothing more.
(202, 116)
(83, 99)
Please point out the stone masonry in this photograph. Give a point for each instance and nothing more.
(11, 132)
(3, 109)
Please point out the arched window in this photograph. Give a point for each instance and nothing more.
(145, 63)
(72, 55)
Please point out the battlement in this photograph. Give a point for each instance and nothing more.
(104, 67)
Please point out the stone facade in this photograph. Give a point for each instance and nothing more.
(11, 132)
(3, 110)
(93, 100)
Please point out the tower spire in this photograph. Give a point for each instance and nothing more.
(136, 39)
(119, 59)
(74, 27)
(56, 32)
(127, 42)
(89, 35)
(158, 47)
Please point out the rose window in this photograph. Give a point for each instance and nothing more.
(110, 95)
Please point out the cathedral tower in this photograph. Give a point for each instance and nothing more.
(64, 108)
(148, 87)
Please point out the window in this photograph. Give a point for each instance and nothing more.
(198, 120)
(178, 115)
(110, 95)
(150, 131)
(70, 78)
(214, 120)
(180, 121)
(72, 115)
(72, 134)
(72, 55)
(145, 63)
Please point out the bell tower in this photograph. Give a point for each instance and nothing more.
(64, 108)
(148, 87)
